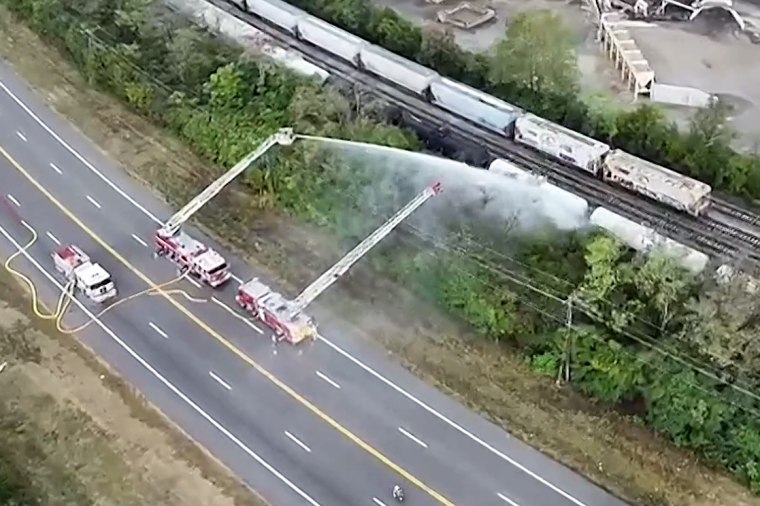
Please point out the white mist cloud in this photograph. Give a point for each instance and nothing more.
(525, 203)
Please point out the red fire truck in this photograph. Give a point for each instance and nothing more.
(193, 256)
(286, 317)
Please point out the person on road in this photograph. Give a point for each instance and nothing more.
(398, 493)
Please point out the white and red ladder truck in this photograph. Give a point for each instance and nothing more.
(286, 317)
(190, 255)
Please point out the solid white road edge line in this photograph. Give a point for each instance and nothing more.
(158, 330)
(55, 168)
(412, 437)
(153, 371)
(13, 199)
(220, 380)
(356, 361)
(53, 238)
(298, 442)
(233, 313)
(93, 201)
(21, 135)
(451, 423)
(75, 153)
(139, 240)
(507, 499)
(328, 380)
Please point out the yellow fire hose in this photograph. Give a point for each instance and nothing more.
(67, 295)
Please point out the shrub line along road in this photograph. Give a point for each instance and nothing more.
(332, 423)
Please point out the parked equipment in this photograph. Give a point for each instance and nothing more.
(89, 278)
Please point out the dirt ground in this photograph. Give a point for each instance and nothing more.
(613, 451)
(77, 435)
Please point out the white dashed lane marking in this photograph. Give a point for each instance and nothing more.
(158, 330)
(13, 199)
(507, 499)
(298, 442)
(53, 238)
(21, 136)
(220, 380)
(328, 380)
(412, 437)
(55, 168)
(137, 238)
(93, 201)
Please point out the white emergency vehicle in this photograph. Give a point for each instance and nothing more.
(88, 277)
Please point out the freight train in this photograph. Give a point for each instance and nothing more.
(571, 148)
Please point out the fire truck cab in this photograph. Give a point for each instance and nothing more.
(88, 277)
(275, 311)
(200, 261)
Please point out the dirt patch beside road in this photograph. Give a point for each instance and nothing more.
(78, 435)
(613, 451)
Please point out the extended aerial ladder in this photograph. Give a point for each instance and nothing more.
(283, 137)
(330, 276)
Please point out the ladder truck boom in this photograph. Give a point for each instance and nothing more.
(330, 276)
(283, 137)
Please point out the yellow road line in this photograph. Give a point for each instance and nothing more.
(227, 344)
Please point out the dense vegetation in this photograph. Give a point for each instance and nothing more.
(535, 68)
(635, 333)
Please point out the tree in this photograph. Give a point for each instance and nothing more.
(722, 327)
(537, 54)
(663, 284)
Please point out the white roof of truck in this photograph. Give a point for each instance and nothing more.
(658, 179)
(207, 258)
(92, 274)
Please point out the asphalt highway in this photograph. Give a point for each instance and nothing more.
(331, 423)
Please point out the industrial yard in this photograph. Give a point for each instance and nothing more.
(720, 60)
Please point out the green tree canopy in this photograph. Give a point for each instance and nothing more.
(538, 54)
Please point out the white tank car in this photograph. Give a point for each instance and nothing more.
(276, 12)
(646, 240)
(661, 184)
(251, 39)
(565, 209)
(571, 147)
(330, 38)
(474, 105)
(397, 69)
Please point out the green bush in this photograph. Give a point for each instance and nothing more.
(643, 132)
(632, 317)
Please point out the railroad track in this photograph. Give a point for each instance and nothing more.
(707, 234)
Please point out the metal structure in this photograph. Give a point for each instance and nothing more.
(286, 317)
(192, 255)
(283, 137)
(331, 275)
